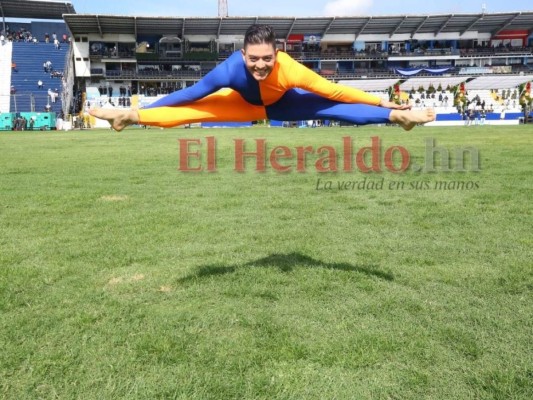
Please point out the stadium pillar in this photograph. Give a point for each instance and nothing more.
(3, 19)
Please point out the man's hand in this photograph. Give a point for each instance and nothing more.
(394, 106)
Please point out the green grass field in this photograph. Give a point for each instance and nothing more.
(122, 277)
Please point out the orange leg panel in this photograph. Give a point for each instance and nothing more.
(223, 106)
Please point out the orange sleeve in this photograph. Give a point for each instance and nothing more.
(292, 74)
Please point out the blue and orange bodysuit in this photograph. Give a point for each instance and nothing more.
(292, 92)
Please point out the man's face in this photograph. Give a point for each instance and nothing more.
(260, 59)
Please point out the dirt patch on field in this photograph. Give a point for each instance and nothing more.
(137, 277)
(114, 197)
(117, 280)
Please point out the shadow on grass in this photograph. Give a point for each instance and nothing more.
(285, 263)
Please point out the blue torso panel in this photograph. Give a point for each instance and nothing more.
(232, 73)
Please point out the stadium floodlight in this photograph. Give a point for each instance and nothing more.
(222, 8)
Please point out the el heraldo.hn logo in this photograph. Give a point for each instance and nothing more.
(200, 155)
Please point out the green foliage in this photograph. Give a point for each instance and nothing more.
(525, 98)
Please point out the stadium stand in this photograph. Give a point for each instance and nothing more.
(30, 58)
(133, 60)
(436, 81)
(498, 82)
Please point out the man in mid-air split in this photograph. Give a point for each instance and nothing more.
(260, 82)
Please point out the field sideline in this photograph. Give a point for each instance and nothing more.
(122, 277)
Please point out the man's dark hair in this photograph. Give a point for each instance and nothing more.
(258, 34)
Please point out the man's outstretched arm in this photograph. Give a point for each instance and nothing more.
(218, 78)
(302, 77)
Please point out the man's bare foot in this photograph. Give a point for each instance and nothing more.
(118, 118)
(408, 119)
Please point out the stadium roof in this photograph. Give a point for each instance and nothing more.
(498, 82)
(370, 84)
(35, 9)
(285, 26)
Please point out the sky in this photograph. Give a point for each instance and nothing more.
(296, 8)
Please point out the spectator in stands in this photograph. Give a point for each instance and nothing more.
(262, 83)
(52, 95)
(39, 84)
(2, 39)
(14, 66)
(47, 66)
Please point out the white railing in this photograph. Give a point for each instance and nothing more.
(6, 51)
